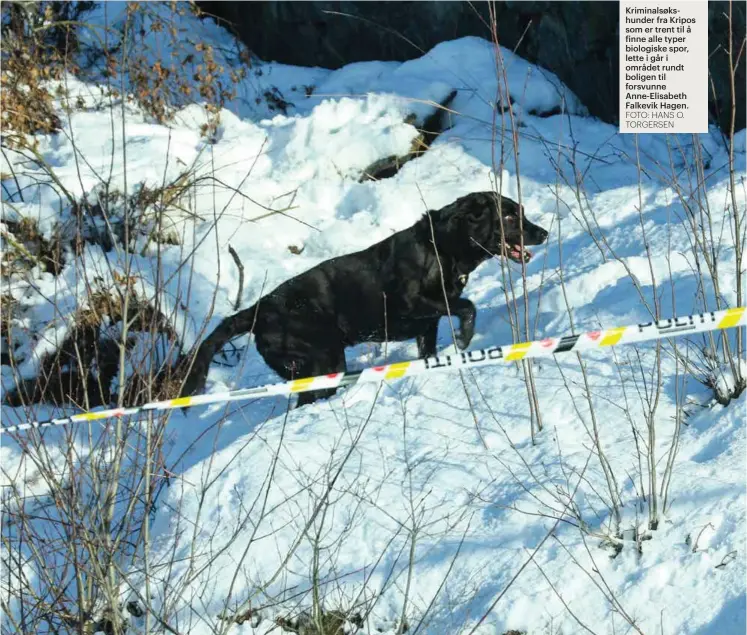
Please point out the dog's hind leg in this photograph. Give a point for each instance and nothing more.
(427, 340)
(332, 362)
(297, 358)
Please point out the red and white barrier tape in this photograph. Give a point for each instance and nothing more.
(672, 327)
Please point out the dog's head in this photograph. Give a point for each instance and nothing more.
(497, 224)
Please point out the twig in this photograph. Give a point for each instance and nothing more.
(240, 267)
(726, 559)
(700, 533)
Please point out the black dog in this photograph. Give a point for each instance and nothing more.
(395, 290)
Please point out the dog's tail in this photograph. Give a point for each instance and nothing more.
(198, 364)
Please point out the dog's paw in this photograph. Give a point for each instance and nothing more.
(464, 335)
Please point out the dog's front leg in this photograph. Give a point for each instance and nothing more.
(427, 340)
(428, 309)
(466, 312)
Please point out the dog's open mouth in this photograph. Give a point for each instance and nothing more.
(517, 254)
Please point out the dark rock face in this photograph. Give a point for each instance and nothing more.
(720, 92)
(578, 41)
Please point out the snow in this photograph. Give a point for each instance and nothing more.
(403, 463)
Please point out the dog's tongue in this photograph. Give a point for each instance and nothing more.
(518, 255)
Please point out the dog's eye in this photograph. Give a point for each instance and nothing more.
(463, 279)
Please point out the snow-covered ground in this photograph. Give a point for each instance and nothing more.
(410, 513)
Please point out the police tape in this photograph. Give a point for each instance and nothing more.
(671, 327)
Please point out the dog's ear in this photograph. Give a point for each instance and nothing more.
(481, 207)
(480, 220)
(477, 212)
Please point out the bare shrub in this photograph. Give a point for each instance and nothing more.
(37, 42)
(187, 72)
